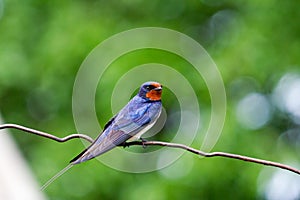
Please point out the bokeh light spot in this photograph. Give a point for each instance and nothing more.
(253, 111)
(286, 95)
(280, 185)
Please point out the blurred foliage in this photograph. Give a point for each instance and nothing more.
(254, 44)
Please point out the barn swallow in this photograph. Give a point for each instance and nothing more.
(133, 120)
(138, 116)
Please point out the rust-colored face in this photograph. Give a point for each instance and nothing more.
(155, 92)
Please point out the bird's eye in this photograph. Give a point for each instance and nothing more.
(150, 87)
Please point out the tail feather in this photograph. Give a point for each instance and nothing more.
(61, 172)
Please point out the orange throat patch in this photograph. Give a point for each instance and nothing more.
(154, 95)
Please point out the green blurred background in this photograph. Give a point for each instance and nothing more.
(255, 44)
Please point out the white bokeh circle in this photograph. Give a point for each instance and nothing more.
(108, 51)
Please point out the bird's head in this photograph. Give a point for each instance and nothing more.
(151, 90)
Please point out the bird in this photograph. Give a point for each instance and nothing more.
(129, 124)
(138, 116)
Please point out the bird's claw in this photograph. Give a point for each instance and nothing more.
(143, 142)
(124, 145)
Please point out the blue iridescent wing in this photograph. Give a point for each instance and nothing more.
(119, 129)
(132, 119)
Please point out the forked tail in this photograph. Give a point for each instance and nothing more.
(61, 172)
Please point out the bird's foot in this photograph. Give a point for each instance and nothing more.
(124, 145)
(143, 142)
